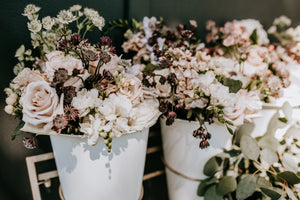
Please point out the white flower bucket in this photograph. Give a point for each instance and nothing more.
(183, 155)
(90, 172)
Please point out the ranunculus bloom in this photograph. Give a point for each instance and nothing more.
(40, 105)
(57, 59)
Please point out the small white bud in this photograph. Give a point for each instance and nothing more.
(9, 109)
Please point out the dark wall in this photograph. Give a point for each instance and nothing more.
(14, 182)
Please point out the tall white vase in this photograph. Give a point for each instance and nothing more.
(90, 172)
(182, 153)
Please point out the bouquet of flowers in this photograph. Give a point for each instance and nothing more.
(247, 43)
(190, 81)
(66, 85)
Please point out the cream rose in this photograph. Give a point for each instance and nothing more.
(132, 88)
(40, 105)
(56, 60)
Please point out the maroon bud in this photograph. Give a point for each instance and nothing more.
(207, 136)
(162, 80)
(29, 143)
(203, 144)
(179, 107)
(146, 82)
(62, 45)
(171, 118)
(75, 39)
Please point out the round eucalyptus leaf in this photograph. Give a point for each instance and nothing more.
(269, 156)
(246, 187)
(211, 194)
(269, 142)
(226, 185)
(211, 167)
(249, 147)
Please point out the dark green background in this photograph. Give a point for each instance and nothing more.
(14, 184)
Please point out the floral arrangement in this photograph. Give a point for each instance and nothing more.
(66, 85)
(262, 168)
(189, 81)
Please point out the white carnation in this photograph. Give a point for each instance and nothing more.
(86, 100)
(90, 13)
(282, 21)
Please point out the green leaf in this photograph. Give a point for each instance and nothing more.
(229, 130)
(226, 185)
(234, 85)
(211, 194)
(262, 182)
(151, 67)
(189, 114)
(254, 37)
(202, 188)
(17, 131)
(274, 124)
(269, 142)
(271, 193)
(211, 167)
(269, 156)
(249, 147)
(246, 187)
(283, 119)
(290, 177)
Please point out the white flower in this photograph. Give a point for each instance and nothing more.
(98, 21)
(144, 115)
(25, 77)
(20, 53)
(18, 68)
(90, 13)
(131, 87)
(272, 30)
(11, 99)
(113, 65)
(65, 17)
(34, 26)
(75, 8)
(57, 59)
(30, 11)
(9, 109)
(116, 106)
(40, 105)
(149, 25)
(134, 70)
(48, 22)
(92, 128)
(282, 21)
(198, 103)
(86, 100)
(251, 25)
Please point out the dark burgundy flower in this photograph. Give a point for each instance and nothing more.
(146, 82)
(104, 41)
(60, 122)
(164, 105)
(172, 79)
(71, 113)
(75, 39)
(104, 57)
(69, 94)
(62, 45)
(171, 118)
(162, 80)
(90, 55)
(29, 143)
(204, 144)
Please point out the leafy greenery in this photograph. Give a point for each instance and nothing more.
(17, 131)
(250, 170)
